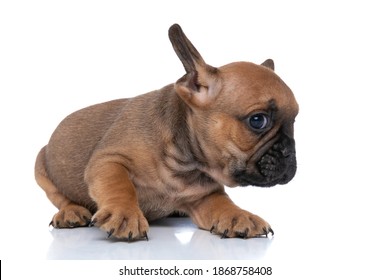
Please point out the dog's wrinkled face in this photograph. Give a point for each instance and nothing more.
(248, 128)
(244, 116)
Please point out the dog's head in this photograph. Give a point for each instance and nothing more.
(243, 117)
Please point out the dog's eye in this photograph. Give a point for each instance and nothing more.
(258, 121)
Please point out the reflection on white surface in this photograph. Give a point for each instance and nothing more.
(171, 238)
(184, 237)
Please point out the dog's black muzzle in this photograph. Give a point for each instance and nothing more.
(277, 165)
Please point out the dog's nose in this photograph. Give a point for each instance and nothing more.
(283, 150)
(285, 146)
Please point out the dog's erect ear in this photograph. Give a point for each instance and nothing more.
(185, 50)
(195, 87)
(269, 63)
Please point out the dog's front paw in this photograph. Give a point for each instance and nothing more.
(122, 223)
(241, 224)
(71, 216)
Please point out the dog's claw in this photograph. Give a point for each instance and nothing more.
(130, 237)
(267, 231)
(51, 224)
(243, 234)
(146, 236)
(109, 233)
(212, 228)
(224, 235)
(92, 223)
(87, 221)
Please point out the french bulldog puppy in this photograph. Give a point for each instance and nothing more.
(119, 164)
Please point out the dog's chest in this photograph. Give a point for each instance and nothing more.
(166, 195)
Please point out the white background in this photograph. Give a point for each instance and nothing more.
(59, 56)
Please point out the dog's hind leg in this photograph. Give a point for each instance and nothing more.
(70, 214)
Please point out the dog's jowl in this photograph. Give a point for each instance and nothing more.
(119, 164)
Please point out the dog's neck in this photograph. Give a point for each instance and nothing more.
(182, 154)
